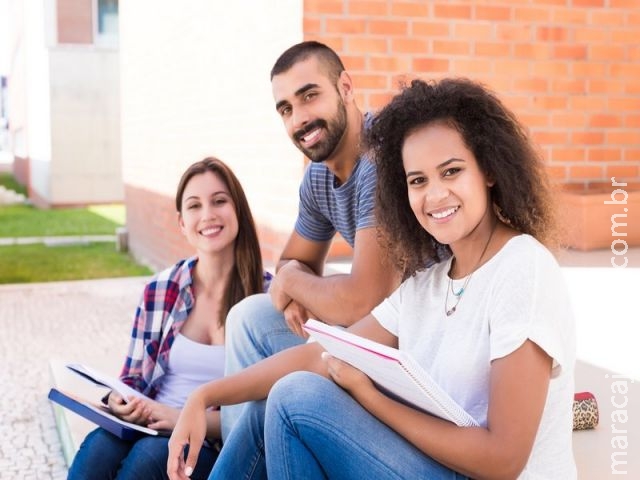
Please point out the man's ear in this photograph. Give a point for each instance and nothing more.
(345, 86)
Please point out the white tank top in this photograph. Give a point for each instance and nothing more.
(190, 365)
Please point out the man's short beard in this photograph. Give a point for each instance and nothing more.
(335, 128)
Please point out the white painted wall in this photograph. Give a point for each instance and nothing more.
(195, 82)
(38, 115)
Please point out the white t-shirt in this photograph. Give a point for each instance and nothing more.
(518, 294)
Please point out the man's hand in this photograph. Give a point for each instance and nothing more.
(277, 290)
(296, 315)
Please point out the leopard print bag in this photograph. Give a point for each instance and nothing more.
(585, 411)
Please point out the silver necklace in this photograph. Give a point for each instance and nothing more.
(458, 295)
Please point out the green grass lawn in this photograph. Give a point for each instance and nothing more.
(39, 263)
(9, 182)
(28, 221)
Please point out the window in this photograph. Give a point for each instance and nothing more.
(106, 22)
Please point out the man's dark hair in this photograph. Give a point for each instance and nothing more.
(302, 51)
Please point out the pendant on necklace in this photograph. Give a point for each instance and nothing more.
(459, 292)
(451, 311)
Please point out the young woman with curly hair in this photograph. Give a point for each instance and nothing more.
(464, 204)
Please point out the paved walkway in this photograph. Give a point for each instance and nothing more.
(90, 321)
(73, 321)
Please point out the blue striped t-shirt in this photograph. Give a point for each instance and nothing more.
(325, 208)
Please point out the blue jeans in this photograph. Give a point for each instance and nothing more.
(315, 430)
(104, 456)
(254, 330)
(242, 455)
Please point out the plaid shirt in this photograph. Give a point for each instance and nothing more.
(166, 303)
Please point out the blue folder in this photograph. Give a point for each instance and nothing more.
(100, 416)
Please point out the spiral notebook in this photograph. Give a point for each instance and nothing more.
(394, 372)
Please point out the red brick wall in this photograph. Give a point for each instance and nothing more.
(154, 235)
(569, 69)
(75, 21)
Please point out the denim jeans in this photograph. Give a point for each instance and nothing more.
(315, 430)
(254, 330)
(242, 455)
(104, 456)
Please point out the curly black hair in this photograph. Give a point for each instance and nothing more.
(521, 195)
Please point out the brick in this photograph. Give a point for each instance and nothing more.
(603, 154)
(379, 100)
(622, 173)
(511, 67)
(607, 86)
(410, 9)
(591, 35)
(514, 33)
(410, 45)
(532, 120)
(580, 171)
(493, 13)
(531, 84)
(369, 8)
(442, 47)
(472, 31)
(390, 64)
(532, 14)
(624, 104)
(608, 17)
(345, 26)
(557, 172)
(370, 81)
(608, 53)
(631, 155)
(532, 50)
(552, 34)
(471, 67)
(367, 45)
(548, 102)
(588, 3)
(430, 29)
(354, 62)
(570, 52)
(571, 16)
(604, 120)
(312, 25)
(632, 121)
(623, 137)
(568, 154)
(588, 69)
(453, 11)
(550, 137)
(430, 65)
(388, 27)
(324, 6)
(625, 35)
(630, 4)
(551, 68)
(589, 103)
(587, 138)
(630, 70)
(493, 49)
(571, 86)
